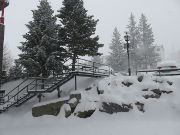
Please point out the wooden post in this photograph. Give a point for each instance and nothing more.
(39, 97)
(93, 68)
(1, 49)
(75, 82)
(59, 91)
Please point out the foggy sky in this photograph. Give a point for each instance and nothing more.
(163, 15)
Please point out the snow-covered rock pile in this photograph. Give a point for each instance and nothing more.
(121, 94)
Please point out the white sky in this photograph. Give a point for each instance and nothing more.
(164, 16)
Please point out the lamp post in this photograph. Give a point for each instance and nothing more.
(3, 5)
(127, 38)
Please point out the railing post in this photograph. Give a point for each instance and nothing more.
(93, 68)
(36, 85)
(18, 94)
(109, 71)
(39, 97)
(27, 88)
(75, 82)
(78, 65)
(59, 91)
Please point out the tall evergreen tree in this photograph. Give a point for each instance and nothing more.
(16, 71)
(7, 59)
(134, 42)
(41, 46)
(78, 30)
(117, 59)
(149, 56)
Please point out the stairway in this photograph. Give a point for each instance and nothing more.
(19, 96)
(32, 87)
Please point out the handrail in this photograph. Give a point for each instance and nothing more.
(16, 101)
(15, 87)
(80, 67)
(18, 92)
(159, 70)
(92, 61)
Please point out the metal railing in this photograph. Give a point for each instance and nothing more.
(84, 65)
(39, 84)
(161, 72)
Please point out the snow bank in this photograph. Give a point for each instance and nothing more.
(161, 115)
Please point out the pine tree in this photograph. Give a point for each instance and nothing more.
(7, 59)
(149, 56)
(117, 59)
(41, 46)
(134, 42)
(16, 70)
(78, 30)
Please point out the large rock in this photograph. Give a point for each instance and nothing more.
(159, 92)
(76, 95)
(51, 108)
(170, 83)
(85, 109)
(67, 110)
(73, 103)
(100, 91)
(126, 83)
(140, 106)
(140, 78)
(156, 93)
(151, 96)
(85, 114)
(114, 107)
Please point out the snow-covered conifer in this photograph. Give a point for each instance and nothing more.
(41, 41)
(134, 42)
(117, 59)
(78, 30)
(148, 54)
(16, 70)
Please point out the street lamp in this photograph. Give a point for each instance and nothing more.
(127, 39)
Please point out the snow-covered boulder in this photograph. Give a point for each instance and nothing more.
(76, 95)
(126, 83)
(114, 107)
(140, 106)
(100, 91)
(156, 93)
(65, 111)
(54, 106)
(111, 104)
(140, 78)
(73, 103)
(85, 109)
(49, 108)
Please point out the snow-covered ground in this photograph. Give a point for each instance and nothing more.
(161, 116)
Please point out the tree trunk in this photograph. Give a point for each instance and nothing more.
(44, 75)
(74, 62)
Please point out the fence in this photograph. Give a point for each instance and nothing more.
(161, 72)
